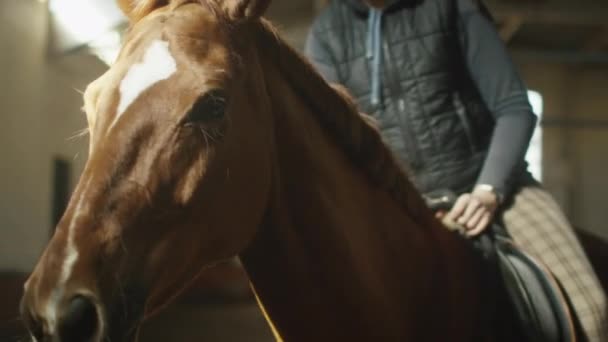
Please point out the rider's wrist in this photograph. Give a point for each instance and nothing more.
(492, 189)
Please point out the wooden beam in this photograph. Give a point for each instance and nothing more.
(596, 41)
(576, 57)
(509, 27)
(572, 12)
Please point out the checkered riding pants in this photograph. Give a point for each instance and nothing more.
(537, 224)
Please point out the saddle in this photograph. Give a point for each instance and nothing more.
(535, 295)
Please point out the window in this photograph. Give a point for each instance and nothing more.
(534, 156)
(94, 24)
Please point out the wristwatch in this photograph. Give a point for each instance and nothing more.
(492, 189)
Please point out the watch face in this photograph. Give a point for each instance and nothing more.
(492, 189)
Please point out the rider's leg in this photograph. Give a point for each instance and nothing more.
(538, 225)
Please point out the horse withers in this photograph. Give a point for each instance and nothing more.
(210, 138)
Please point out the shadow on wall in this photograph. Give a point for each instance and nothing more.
(219, 306)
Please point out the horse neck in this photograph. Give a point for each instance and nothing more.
(337, 257)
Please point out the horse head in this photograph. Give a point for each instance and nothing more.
(179, 133)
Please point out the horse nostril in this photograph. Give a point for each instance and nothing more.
(79, 321)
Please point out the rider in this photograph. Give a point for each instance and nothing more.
(450, 103)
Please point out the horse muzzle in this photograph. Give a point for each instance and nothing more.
(77, 321)
(80, 319)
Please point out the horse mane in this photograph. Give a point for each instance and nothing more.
(336, 111)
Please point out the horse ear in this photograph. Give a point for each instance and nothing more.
(245, 9)
(137, 9)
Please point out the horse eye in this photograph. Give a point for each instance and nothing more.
(210, 107)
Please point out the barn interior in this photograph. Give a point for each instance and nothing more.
(51, 49)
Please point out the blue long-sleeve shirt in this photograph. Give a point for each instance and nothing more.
(502, 90)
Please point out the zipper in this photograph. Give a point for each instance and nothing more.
(464, 120)
(394, 83)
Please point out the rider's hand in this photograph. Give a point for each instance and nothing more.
(474, 211)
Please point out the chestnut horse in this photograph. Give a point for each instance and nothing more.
(210, 138)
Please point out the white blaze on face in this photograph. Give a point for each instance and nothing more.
(70, 257)
(158, 64)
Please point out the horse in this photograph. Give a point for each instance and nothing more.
(210, 138)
